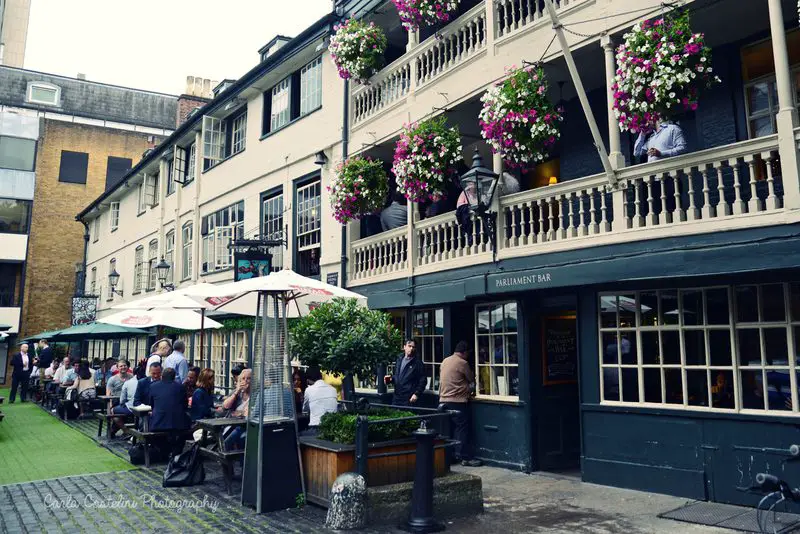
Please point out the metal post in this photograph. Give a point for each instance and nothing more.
(576, 80)
(422, 519)
(362, 446)
(379, 374)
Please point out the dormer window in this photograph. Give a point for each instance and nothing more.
(43, 93)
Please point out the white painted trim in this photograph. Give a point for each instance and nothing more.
(65, 117)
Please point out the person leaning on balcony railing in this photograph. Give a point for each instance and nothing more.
(665, 141)
(395, 214)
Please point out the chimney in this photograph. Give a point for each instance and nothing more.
(81, 76)
(196, 94)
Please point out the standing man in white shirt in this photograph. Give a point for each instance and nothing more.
(21, 374)
(177, 361)
(318, 399)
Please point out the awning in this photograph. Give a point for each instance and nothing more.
(48, 335)
(97, 331)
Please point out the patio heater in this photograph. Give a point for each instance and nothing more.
(272, 475)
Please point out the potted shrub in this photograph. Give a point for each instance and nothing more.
(425, 157)
(415, 13)
(359, 187)
(661, 68)
(357, 49)
(518, 120)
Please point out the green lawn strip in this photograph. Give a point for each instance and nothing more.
(28, 431)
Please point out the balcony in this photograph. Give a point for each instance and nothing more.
(732, 187)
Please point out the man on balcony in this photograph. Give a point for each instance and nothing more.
(666, 141)
(395, 214)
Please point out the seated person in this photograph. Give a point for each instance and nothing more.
(202, 403)
(190, 384)
(84, 384)
(115, 383)
(237, 406)
(319, 399)
(123, 409)
(51, 371)
(71, 374)
(142, 395)
(168, 399)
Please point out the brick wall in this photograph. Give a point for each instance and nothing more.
(186, 103)
(56, 239)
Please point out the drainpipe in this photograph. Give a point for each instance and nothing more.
(80, 290)
(345, 140)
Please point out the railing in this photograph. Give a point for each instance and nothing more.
(458, 42)
(380, 254)
(725, 188)
(513, 15)
(743, 178)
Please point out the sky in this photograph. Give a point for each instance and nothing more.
(155, 44)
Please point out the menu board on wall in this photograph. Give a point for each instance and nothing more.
(559, 350)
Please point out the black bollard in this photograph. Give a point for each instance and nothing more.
(421, 519)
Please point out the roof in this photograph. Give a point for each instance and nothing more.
(272, 41)
(319, 28)
(92, 99)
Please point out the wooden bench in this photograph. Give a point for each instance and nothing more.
(226, 460)
(147, 437)
(109, 421)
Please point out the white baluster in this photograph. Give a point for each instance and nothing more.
(662, 182)
(679, 215)
(651, 209)
(508, 226)
(551, 234)
(772, 200)
(583, 226)
(605, 222)
(529, 4)
(514, 25)
(593, 227)
(570, 230)
(738, 201)
(694, 212)
(723, 208)
(637, 202)
(542, 235)
(708, 210)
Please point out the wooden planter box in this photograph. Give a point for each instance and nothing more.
(323, 461)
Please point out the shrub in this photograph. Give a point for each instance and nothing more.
(340, 427)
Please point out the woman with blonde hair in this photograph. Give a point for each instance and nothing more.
(158, 353)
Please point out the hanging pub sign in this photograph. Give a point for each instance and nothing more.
(559, 350)
(84, 309)
(251, 264)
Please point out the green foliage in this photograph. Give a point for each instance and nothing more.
(238, 323)
(300, 500)
(340, 427)
(342, 337)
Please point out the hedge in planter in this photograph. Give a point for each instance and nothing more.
(357, 49)
(661, 67)
(340, 427)
(360, 187)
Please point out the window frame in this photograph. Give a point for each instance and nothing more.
(191, 164)
(113, 219)
(96, 229)
(25, 140)
(422, 348)
(283, 88)
(26, 223)
(314, 66)
(269, 225)
(187, 242)
(169, 255)
(170, 185)
(152, 261)
(772, 110)
(790, 323)
(238, 132)
(310, 229)
(44, 86)
(93, 281)
(213, 247)
(138, 269)
(491, 341)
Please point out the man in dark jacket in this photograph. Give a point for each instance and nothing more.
(44, 359)
(21, 365)
(409, 379)
(169, 403)
(142, 395)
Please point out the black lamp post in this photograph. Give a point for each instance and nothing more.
(113, 280)
(162, 270)
(479, 184)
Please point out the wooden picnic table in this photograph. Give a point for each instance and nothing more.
(144, 412)
(226, 459)
(108, 416)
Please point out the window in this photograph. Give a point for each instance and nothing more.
(311, 86)
(9, 274)
(116, 169)
(213, 139)
(178, 166)
(142, 197)
(218, 346)
(272, 227)
(114, 215)
(17, 153)
(280, 113)
(138, 269)
(170, 178)
(169, 255)
(428, 333)
(496, 357)
(190, 164)
(219, 229)
(186, 257)
(74, 166)
(238, 133)
(148, 192)
(240, 340)
(43, 93)
(154, 192)
(296, 95)
(715, 348)
(93, 281)
(152, 261)
(14, 216)
(112, 266)
(95, 229)
(308, 229)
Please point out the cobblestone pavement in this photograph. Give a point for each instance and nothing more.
(134, 501)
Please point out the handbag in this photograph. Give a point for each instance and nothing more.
(185, 469)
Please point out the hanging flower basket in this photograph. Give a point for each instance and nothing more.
(661, 68)
(360, 187)
(416, 13)
(424, 158)
(357, 49)
(518, 120)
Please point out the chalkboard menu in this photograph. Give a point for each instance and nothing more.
(559, 350)
(333, 279)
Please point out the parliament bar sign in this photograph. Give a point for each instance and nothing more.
(519, 281)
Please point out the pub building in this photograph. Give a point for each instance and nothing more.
(656, 351)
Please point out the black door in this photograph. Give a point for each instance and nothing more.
(557, 410)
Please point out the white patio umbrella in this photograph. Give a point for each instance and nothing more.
(174, 318)
(303, 293)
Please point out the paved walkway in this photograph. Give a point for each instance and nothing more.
(134, 501)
